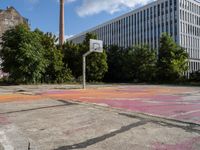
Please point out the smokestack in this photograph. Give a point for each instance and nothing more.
(62, 23)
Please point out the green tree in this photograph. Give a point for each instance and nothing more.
(130, 64)
(96, 62)
(33, 57)
(23, 55)
(143, 63)
(73, 58)
(119, 64)
(55, 71)
(195, 76)
(172, 60)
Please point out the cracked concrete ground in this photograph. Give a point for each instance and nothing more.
(62, 125)
(55, 123)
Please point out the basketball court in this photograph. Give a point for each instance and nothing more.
(173, 102)
(180, 103)
(100, 118)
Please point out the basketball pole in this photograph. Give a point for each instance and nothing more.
(84, 68)
(95, 46)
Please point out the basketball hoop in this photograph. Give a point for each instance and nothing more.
(95, 46)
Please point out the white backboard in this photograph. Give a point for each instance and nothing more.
(96, 46)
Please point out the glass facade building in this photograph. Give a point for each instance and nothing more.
(145, 25)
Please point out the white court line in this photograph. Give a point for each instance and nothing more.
(186, 113)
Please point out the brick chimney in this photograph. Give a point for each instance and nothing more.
(62, 23)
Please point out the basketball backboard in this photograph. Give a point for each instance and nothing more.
(96, 46)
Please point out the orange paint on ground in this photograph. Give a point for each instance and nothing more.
(171, 102)
(19, 97)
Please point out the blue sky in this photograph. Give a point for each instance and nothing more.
(80, 15)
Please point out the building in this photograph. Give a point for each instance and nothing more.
(145, 25)
(8, 19)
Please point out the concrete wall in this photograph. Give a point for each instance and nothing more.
(9, 18)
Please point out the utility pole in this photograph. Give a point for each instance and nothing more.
(62, 22)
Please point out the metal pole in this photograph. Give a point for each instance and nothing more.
(84, 61)
(84, 68)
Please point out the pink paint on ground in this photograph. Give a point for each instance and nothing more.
(158, 108)
(184, 145)
(191, 117)
(165, 98)
(166, 102)
(4, 120)
(131, 90)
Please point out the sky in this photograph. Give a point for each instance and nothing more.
(80, 15)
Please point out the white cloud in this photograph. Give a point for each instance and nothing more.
(90, 7)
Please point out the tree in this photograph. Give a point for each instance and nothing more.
(33, 57)
(143, 63)
(195, 76)
(96, 62)
(55, 71)
(172, 60)
(23, 55)
(73, 58)
(119, 64)
(130, 64)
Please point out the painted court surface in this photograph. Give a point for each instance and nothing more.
(58, 117)
(180, 103)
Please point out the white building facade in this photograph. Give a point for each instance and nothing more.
(145, 25)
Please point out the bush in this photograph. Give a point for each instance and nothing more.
(195, 76)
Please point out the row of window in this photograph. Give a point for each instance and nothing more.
(190, 42)
(194, 66)
(140, 27)
(192, 45)
(188, 5)
(136, 33)
(193, 53)
(188, 17)
(151, 14)
(190, 29)
(158, 10)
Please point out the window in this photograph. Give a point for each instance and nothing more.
(166, 7)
